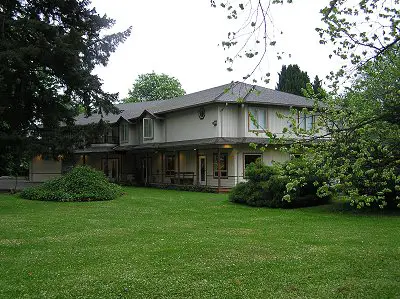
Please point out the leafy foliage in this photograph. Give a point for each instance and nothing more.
(258, 171)
(48, 50)
(361, 32)
(292, 80)
(360, 155)
(354, 142)
(317, 88)
(81, 184)
(267, 187)
(154, 87)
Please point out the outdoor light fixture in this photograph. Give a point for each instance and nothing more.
(214, 123)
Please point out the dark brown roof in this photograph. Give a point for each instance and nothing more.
(228, 93)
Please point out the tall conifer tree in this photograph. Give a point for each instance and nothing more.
(48, 50)
(292, 80)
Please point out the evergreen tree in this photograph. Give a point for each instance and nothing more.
(317, 84)
(48, 50)
(292, 80)
(317, 88)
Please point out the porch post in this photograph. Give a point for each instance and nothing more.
(146, 168)
(197, 182)
(150, 167)
(179, 167)
(219, 168)
(106, 168)
(162, 167)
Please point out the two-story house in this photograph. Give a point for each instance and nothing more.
(200, 138)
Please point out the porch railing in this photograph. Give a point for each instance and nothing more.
(184, 179)
(106, 139)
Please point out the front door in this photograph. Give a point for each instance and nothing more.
(202, 170)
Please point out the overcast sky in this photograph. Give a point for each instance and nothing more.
(180, 38)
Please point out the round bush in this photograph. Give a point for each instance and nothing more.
(83, 183)
(266, 187)
(259, 172)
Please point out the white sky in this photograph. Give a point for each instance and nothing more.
(180, 38)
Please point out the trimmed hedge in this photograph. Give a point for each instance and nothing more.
(81, 184)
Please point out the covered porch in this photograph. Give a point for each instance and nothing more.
(216, 162)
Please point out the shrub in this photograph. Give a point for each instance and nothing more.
(81, 184)
(259, 172)
(267, 186)
(242, 192)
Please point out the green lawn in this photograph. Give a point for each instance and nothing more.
(168, 244)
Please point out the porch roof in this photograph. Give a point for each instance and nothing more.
(106, 148)
(205, 142)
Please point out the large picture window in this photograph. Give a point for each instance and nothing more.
(148, 128)
(223, 162)
(257, 119)
(170, 165)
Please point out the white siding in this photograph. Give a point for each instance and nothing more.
(275, 123)
(229, 120)
(242, 117)
(186, 124)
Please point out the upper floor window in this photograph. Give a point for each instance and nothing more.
(257, 119)
(124, 133)
(148, 128)
(305, 121)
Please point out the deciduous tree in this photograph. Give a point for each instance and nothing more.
(153, 87)
(359, 128)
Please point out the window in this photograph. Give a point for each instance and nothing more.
(223, 163)
(170, 165)
(305, 121)
(124, 133)
(148, 128)
(250, 158)
(259, 116)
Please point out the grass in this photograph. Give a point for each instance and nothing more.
(169, 244)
